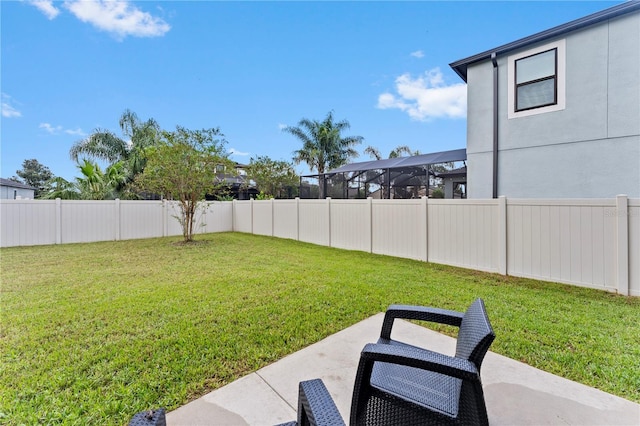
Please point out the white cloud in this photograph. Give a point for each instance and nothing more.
(282, 126)
(234, 151)
(56, 130)
(418, 54)
(8, 110)
(46, 7)
(119, 18)
(50, 129)
(76, 132)
(426, 97)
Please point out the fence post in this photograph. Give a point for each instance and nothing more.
(251, 214)
(370, 218)
(165, 224)
(58, 221)
(502, 235)
(425, 215)
(273, 215)
(328, 199)
(117, 219)
(622, 241)
(233, 215)
(297, 218)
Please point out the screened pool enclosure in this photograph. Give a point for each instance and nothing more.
(402, 177)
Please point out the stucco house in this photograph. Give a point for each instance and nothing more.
(10, 190)
(557, 114)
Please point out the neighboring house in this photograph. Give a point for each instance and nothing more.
(238, 186)
(557, 114)
(455, 182)
(10, 190)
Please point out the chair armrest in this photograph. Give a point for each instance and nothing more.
(420, 358)
(422, 313)
(315, 405)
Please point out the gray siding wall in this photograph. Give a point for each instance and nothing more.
(591, 149)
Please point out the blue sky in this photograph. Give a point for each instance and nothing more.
(250, 68)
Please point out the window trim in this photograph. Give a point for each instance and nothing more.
(559, 47)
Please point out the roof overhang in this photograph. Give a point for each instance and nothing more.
(460, 67)
(12, 184)
(402, 162)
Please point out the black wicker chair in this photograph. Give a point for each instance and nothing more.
(401, 384)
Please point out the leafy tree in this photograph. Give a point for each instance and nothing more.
(105, 145)
(271, 176)
(437, 193)
(442, 167)
(34, 174)
(263, 196)
(184, 167)
(323, 146)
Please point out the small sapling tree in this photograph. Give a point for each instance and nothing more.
(185, 167)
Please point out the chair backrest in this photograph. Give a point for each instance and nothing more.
(475, 334)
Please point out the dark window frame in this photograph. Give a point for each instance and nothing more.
(554, 76)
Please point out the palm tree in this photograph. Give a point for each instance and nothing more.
(105, 145)
(323, 147)
(395, 153)
(59, 187)
(94, 184)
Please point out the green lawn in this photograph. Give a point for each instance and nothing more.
(93, 333)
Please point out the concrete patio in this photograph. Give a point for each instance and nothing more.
(515, 393)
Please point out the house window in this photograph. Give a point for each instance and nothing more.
(536, 80)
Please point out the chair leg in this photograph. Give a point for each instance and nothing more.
(149, 418)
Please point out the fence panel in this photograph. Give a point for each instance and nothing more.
(27, 222)
(285, 219)
(263, 217)
(464, 233)
(141, 219)
(173, 218)
(242, 220)
(219, 217)
(566, 241)
(87, 221)
(399, 228)
(351, 224)
(314, 225)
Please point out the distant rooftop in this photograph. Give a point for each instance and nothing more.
(13, 184)
(403, 162)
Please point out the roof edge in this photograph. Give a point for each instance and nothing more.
(460, 66)
(365, 165)
(13, 184)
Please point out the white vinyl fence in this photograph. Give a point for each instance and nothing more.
(592, 243)
(35, 222)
